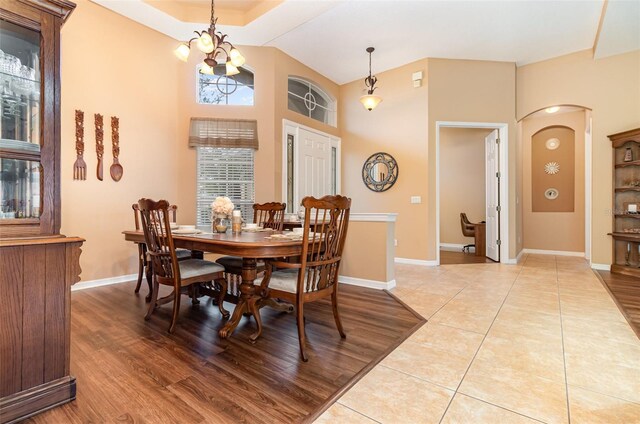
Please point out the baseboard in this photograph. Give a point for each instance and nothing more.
(420, 262)
(104, 282)
(22, 405)
(553, 252)
(372, 284)
(601, 267)
(454, 247)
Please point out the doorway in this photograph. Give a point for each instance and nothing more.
(471, 178)
(310, 164)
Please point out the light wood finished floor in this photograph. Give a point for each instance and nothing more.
(537, 342)
(131, 370)
(626, 290)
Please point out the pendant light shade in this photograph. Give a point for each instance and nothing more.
(205, 43)
(206, 69)
(231, 70)
(236, 58)
(370, 100)
(182, 52)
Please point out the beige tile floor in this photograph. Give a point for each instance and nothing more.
(537, 342)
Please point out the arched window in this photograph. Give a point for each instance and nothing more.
(220, 89)
(311, 100)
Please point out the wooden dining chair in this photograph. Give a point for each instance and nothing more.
(315, 275)
(167, 270)
(267, 215)
(182, 254)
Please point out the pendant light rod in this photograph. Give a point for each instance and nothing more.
(370, 100)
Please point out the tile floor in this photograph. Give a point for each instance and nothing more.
(537, 342)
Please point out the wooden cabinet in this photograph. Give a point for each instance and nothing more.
(37, 264)
(626, 202)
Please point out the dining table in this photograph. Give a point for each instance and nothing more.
(251, 246)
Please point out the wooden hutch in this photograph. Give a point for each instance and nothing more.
(626, 202)
(37, 264)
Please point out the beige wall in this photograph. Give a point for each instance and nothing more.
(462, 180)
(357, 262)
(562, 231)
(471, 91)
(113, 66)
(397, 126)
(610, 87)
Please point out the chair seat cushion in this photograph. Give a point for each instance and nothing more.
(284, 280)
(195, 267)
(183, 254)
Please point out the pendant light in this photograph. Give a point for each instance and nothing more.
(214, 45)
(370, 100)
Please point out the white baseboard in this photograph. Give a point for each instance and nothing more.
(601, 267)
(372, 284)
(453, 247)
(104, 282)
(553, 252)
(420, 262)
(516, 260)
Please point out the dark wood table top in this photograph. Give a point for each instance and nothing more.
(245, 244)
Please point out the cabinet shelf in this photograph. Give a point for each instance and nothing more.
(626, 164)
(632, 237)
(623, 189)
(628, 215)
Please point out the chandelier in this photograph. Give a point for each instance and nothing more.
(370, 100)
(214, 45)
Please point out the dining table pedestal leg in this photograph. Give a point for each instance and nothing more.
(247, 303)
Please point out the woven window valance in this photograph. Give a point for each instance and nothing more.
(216, 132)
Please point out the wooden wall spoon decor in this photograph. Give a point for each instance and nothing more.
(99, 143)
(116, 169)
(79, 166)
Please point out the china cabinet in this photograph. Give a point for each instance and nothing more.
(38, 265)
(626, 202)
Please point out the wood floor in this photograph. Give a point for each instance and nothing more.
(626, 291)
(132, 370)
(448, 257)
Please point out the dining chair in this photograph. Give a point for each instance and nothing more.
(267, 215)
(315, 275)
(182, 254)
(165, 267)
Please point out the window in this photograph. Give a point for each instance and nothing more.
(310, 100)
(223, 171)
(219, 89)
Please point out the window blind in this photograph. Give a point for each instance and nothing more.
(224, 172)
(231, 133)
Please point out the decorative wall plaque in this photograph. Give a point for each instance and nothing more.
(380, 172)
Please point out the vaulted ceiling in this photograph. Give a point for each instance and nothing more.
(331, 36)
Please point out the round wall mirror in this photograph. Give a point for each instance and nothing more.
(380, 172)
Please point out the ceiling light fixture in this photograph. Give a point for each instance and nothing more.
(370, 100)
(552, 109)
(213, 44)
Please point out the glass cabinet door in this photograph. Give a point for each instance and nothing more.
(20, 114)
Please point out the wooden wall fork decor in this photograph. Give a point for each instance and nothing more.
(99, 143)
(116, 169)
(79, 166)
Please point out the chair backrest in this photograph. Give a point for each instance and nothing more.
(269, 215)
(322, 248)
(154, 217)
(173, 209)
(468, 229)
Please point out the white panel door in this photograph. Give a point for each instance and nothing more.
(492, 196)
(314, 159)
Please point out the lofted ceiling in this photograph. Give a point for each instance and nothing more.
(330, 36)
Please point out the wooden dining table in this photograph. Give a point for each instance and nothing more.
(251, 246)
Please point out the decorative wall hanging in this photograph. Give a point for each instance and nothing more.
(99, 143)
(552, 143)
(214, 45)
(628, 155)
(552, 168)
(380, 172)
(551, 193)
(79, 166)
(116, 169)
(370, 100)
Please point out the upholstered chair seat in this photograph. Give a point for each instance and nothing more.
(183, 254)
(192, 268)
